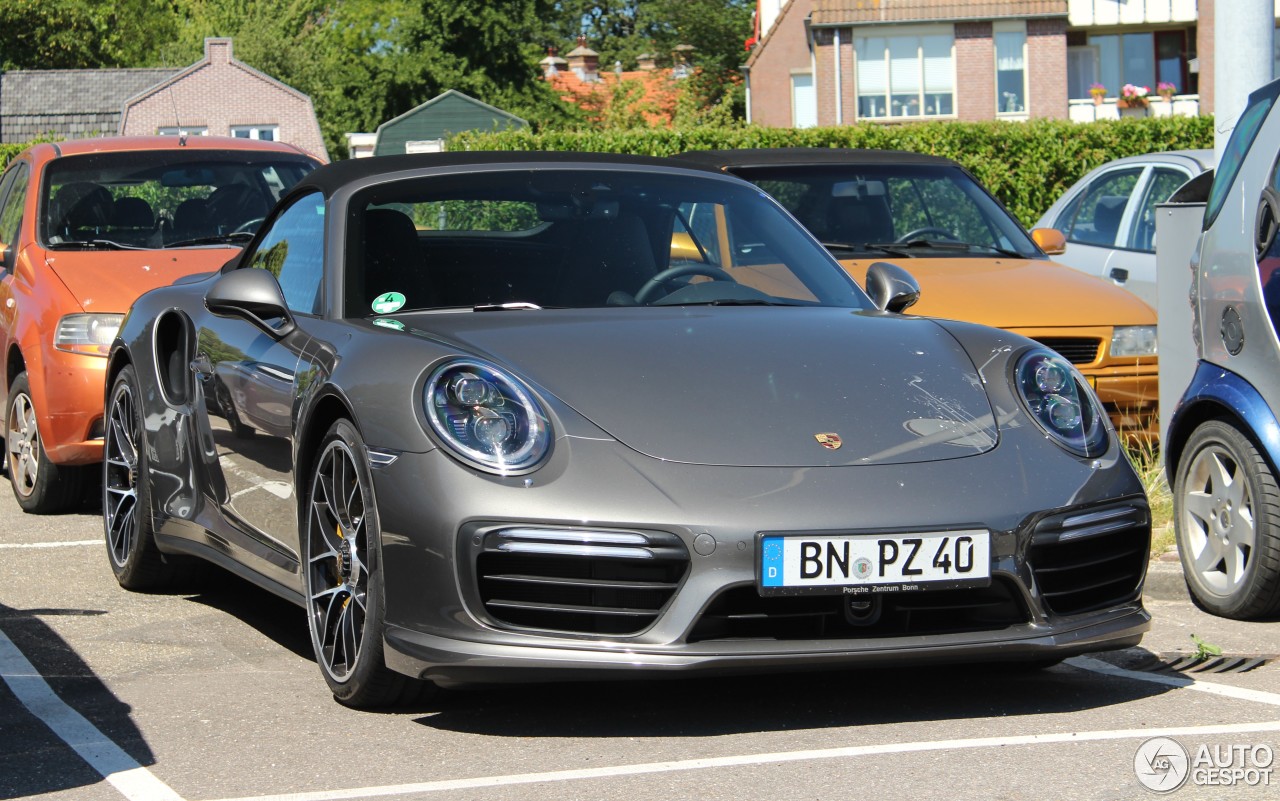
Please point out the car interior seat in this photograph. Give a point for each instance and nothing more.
(234, 205)
(613, 255)
(858, 220)
(190, 219)
(82, 208)
(133, 212)
(392, 261)
(1106, 219)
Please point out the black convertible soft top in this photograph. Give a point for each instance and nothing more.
(799, 156)
(332, 176)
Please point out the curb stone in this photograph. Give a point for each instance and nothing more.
(1165, 582)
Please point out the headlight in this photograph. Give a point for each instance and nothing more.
(1133, 340)
(1059, 400)
(486, 417)
(90, 334)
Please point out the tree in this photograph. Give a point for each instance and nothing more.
(82, 34)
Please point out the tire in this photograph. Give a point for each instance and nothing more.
(343, 577)
(1227, 522)
(40, 486)
(126, 504)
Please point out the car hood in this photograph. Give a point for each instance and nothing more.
(110, 281)
(747, 386)
(1014, 293)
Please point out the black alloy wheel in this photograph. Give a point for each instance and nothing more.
(343, 582)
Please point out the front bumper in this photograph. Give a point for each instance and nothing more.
(449, 660)
(441, 625)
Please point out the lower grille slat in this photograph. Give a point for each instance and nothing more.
(1077, 350)
(1084, 573)
(578, 581)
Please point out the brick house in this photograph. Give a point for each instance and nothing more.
(217, 95)
(221, 96)
(833, 62)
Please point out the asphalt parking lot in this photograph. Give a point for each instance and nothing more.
(214, 695)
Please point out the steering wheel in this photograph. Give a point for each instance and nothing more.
(248, 226)
(655, 283)
(928, 229)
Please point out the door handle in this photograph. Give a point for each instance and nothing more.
(1119, 275)
(202, 366)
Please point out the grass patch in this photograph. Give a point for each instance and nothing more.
(1146, 461)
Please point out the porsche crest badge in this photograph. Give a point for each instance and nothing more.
(829, 441)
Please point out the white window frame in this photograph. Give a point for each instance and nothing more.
(862, 33)
(255, 131)
(184, 130)
(1012, 26)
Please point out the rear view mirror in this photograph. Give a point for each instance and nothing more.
(860, 188)
(1050, 240)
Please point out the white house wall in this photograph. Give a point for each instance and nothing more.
(1083, 13)
(769, 11)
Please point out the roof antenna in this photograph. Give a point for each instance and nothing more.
(182, 135)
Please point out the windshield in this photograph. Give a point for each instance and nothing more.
(921, 210)
(579, 238)
(162, 198)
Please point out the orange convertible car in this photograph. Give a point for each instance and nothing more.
(972, 259)
(85, 227)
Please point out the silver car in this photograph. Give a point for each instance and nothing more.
(1108, 216)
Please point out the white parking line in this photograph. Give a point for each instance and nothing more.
(1181, 682)
(1082, 663)
(134, 782)
(69, 544)
(749, 760)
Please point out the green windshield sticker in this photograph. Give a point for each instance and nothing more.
(386, 323)
(388, 302)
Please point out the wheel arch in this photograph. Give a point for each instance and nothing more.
(1218, 394)
(327, 409)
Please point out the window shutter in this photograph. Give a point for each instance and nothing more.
(904, 64)
(939, 74)
(871, 72)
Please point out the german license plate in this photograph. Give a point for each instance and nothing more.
(854, 564)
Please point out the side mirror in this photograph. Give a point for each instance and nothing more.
(254, 295)
(892, 288)
(1052, 241)
(6, 256)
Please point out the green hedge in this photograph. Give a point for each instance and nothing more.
(7, 152)
(1027, 165)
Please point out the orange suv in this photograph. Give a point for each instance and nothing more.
(86, 227)
(973, 260)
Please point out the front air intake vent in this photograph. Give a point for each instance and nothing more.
(1077, 350)
(579, 581)
(740, 613)
(1092, 558)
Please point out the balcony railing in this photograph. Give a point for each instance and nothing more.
(1087, 111)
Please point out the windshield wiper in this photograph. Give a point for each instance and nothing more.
(514, 306)
(216, 239)
(739, 302)
(92, 244)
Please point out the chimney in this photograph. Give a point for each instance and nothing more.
(585, 62)
(552, 65)
(647, 62)
(217, 50)
(682, 60)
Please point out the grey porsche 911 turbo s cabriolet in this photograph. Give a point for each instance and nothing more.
(522, 416)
